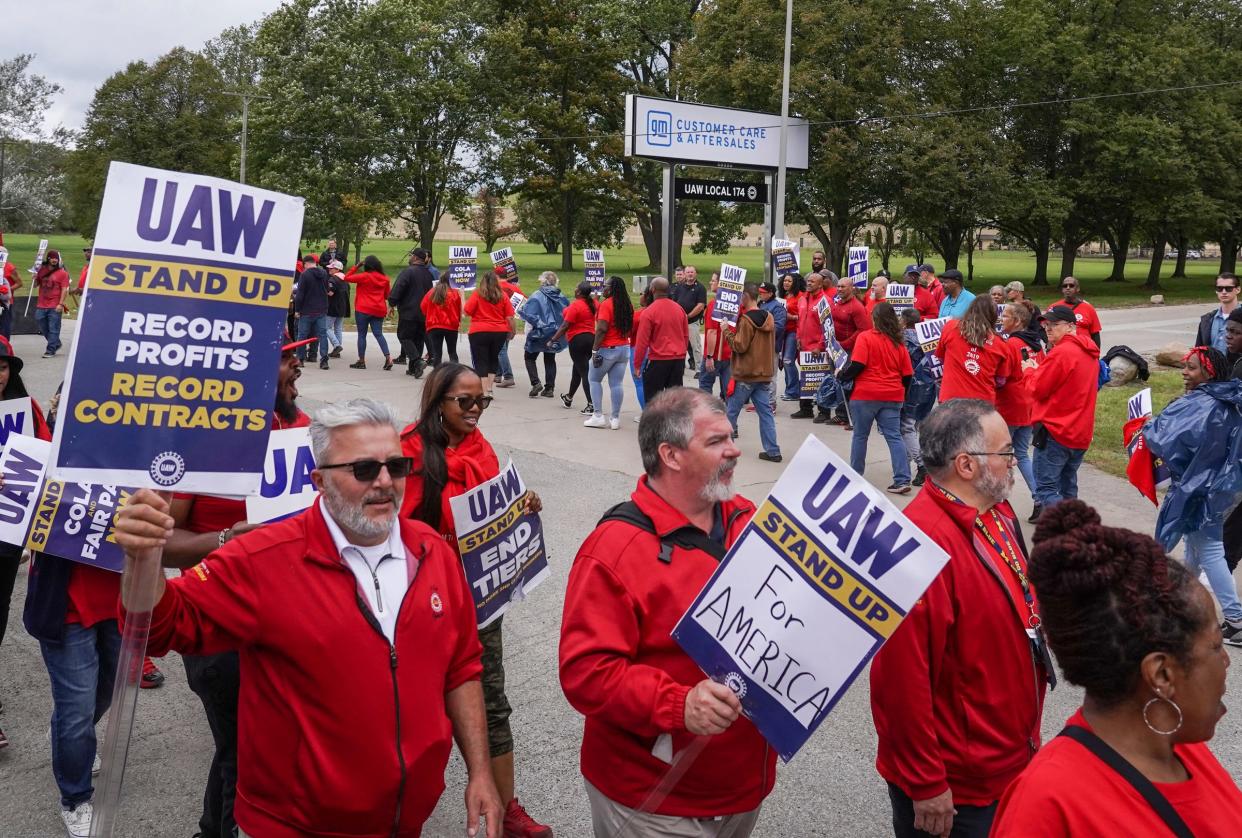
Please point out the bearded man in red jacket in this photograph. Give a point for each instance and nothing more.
(644, 699)
(957, 692)
(356, 633)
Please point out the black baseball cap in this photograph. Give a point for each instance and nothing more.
(912, 269)
(952, 275)
(1059, 314)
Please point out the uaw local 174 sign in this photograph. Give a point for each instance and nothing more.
(685, 132)
(500, 543)
(819, 579)
(172, 378)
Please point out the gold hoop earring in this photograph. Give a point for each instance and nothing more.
(1172, 704)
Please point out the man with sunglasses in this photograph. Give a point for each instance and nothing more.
(1212, 325)
(356, 634)
(1084, 313)
(957, 692)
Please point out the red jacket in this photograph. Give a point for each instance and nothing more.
(1064, 388)
(621, 668)
(662, 333)
(810, 329)
(447, 315)
(925, 302)
(956, 694)
(324, 697)
(373, 288)
(714, 344)
(849, 320)
(1013, 400)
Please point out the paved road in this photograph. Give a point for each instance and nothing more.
(1149, 328)
(830, 789)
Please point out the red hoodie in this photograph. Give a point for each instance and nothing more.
(810, 328)
(339, 733)
(621, 668)
(446, 315)
(1064, 388)
(373, 288)
(955, 693)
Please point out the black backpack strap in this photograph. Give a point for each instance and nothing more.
(1158, 802)
(688, 537)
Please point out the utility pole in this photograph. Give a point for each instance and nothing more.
(778, 209)
(245, 97)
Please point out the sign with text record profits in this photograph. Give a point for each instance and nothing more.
(685, 132)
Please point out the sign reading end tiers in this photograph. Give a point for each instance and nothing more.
(705, 135)
(734, 191)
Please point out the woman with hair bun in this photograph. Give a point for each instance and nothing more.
(1138, 632)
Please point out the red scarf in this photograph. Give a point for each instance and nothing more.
(472, 462)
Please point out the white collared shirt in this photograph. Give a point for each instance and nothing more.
(380, 570)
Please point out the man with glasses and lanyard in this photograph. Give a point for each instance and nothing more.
(1212, 325)
(1084, 312)
(356, 632)
(957, 692)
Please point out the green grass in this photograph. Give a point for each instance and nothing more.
(1107, 451)
(992, 267)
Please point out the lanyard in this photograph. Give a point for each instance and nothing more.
(1008, 554)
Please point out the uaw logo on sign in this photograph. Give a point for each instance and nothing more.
(660, 128)
(167, 468)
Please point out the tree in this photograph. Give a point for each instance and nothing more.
(25, 146)
(485, 218)
(170, 115)
(34, 194)
(539, 222)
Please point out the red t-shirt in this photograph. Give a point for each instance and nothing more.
(970, 372)
(613, 337)
(52, 286)
(488, 317)
(714, 344)
(1085, 314)
(791, 311)
(82, 276)
(1069, 791)
(1013, 401)
(884, 365)
(579, 319)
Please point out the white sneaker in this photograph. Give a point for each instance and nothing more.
(638, 419)
(615, 424)
(96, 766)
(596, 421)
(78, 821)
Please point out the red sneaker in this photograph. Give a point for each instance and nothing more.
(151, 675)
(518, 824)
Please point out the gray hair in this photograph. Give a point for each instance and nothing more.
(999, 288)
(360, 411)
(669, 418)
(549, 278)
(952, 428)
(1021, 312)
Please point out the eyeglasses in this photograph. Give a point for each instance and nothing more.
(1068, 286)
(1009, 455)
(367, 470)
(1222, 289)
(466, 402)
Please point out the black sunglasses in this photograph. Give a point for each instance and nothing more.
(367, 470)
(1071, 285)
(466, 402)
(1220, 288)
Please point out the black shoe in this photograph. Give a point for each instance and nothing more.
(413, 373)
(567, 401)
(920, 477)
(535, 390)
(899, 489)
(547, 393)
(589, 410)
(1232, 633)
(335, 353)
(771, 458)
(323, 363)
(358, 365)
(387, 364)
(822, 419)
(401, 359)
(802, 414)
(1034, 519)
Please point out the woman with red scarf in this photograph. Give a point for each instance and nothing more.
(451, 456)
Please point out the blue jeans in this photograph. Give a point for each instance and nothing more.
(1056, 473)
(506, 369)
(313, 326)
(1207, 553)
(888, 416)
(758, 393)
(637, 378)
(708, 377)
(82, 668)
(616, 359)
(910, 435)
(48, 321)
(1021, 435)
(376, 325)
(336, 332)
(789, 354)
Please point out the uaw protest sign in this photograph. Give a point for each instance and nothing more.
(172, 379)
(820, 578)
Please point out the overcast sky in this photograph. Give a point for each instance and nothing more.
(79, 43)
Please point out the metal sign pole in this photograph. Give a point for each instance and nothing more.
(668, 222)
(770, 221)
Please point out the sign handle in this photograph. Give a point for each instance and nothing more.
(681, 764)
(125, 694)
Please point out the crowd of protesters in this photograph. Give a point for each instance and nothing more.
(957, 692)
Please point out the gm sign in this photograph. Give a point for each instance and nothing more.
(659, 128)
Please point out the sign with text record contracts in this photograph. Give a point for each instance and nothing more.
(172, 379)
(706, 135)
(819, 579)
